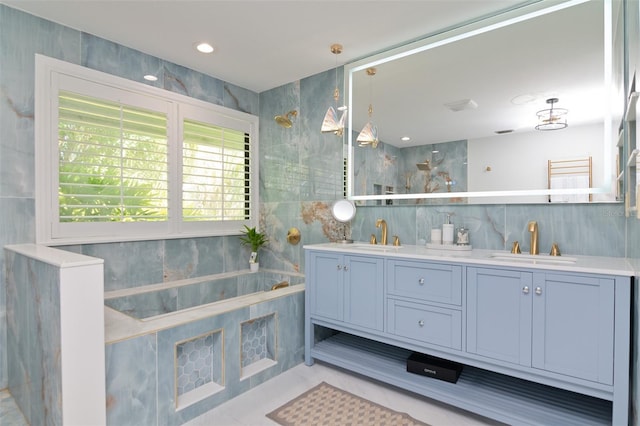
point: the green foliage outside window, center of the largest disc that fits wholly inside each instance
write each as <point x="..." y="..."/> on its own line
<point x="112" y="162"/>
<point x="113" y="165"/>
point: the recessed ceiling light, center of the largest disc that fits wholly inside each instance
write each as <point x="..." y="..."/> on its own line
<point x="204" y="47"/>
<point x="461" y="105"/>
<point x="526" y="98"/>
<point x="435" y="151"/>
<point x="150" y="77"/>
<point x="405" y="138"/>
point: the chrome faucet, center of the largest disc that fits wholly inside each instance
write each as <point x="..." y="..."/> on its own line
<point x="383" y="224"/>
<point x="533" y="228"/>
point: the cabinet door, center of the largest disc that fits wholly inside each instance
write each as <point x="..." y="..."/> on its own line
<point x="325" y="286"/>
<point x="364" y="291"/>
<point x="499" y="314"/>
<point x="573" y="325"/>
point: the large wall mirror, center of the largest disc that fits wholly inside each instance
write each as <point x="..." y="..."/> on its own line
<point x="468" y="99"/>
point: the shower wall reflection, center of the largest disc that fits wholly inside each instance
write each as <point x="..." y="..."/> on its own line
<point x="411" y="170"/>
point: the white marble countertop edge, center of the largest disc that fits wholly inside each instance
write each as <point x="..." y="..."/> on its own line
<point x="583" y="264"/>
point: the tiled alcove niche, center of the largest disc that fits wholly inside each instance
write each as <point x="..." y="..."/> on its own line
<point x="198" y="368"/>
<point x="257" y="345"/>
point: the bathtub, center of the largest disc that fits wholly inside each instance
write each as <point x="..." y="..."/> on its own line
<point x="155" y="300"/>
<point x="178" y="349"/>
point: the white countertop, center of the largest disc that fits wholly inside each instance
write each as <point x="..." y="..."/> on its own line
<point x="567" y="263"/>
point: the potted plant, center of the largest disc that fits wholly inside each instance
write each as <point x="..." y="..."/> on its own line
<point x="255" y="240"/>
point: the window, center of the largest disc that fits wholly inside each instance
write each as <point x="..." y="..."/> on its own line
<point x="118" y="160"/>
<point x="112" y="161"/>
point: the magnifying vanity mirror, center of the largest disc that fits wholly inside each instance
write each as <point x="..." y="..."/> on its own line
<point x="468" y="100"/>
<point x="344" y="211"/>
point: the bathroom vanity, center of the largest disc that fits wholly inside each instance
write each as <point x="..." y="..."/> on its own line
<point x="543" y="340"/>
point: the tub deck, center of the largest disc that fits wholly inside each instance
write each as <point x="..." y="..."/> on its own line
<point x="119" y="326"/>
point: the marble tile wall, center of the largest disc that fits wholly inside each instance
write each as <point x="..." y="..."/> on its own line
<point x="132" y="381"/>
<point x="33" y="338"/>
<point x="300" y="174"/>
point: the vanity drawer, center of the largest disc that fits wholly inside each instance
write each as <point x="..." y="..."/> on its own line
<point x="428" y="324"/>
<point x="431" y="282"/>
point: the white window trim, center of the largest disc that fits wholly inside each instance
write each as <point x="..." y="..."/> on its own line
<point x="47" y="73"/>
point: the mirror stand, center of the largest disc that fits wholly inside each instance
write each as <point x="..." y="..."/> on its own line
<point x="344" y="239"/>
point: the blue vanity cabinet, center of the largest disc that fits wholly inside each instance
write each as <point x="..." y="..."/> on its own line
<point x="556" y="322"/>
<point x="348" y="288"/>
<point x="540" y="345"/>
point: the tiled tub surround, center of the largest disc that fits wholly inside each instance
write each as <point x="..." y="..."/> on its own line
<point x="172" y="367"/>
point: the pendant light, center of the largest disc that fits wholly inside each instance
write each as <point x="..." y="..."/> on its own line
<point x="552" y="118"/>
<point x="331" y="123"/>
<point x="369" y="134"/>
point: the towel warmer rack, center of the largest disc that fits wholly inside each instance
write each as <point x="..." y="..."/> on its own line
<point x="567" y="168"/>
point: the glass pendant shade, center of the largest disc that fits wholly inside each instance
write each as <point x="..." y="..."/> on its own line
<point x="331" y="123"/>
<point x="368" y="135"/>
<point x="552" y="118"/>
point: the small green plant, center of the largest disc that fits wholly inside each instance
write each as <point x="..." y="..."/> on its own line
<point x="254" y="239"/>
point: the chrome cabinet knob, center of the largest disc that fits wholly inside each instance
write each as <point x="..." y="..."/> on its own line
<point x="339" y="267"/>
<point x="538" y="291"/>
<point x="421" y="281"/>
<point x="345" y="267"/>
<point x="525" y="289"/>
<point x="421" y="323"/>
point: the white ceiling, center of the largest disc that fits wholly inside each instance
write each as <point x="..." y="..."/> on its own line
<point x="260" y="44"/>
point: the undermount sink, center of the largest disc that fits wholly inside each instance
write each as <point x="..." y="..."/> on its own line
<point x="533" y="258"/>
<point x="376" y="247"/>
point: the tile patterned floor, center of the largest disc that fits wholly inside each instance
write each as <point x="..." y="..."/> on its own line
<point x="250" y="408"/>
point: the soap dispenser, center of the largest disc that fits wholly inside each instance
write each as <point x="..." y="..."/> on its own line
<point x="447" y="231"/>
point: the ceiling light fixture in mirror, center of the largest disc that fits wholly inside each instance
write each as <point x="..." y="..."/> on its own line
<point x="552" y="118"/>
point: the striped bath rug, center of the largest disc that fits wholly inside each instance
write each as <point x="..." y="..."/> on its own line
<point x="326" y="405"/>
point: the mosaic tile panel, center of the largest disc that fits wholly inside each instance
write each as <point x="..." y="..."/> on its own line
<point x="194" y="363"/>
<point x="257" y="340"/>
